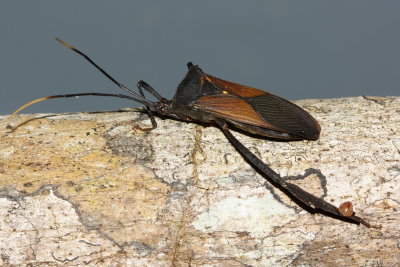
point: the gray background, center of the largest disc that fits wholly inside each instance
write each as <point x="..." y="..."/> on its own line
<point x="295" y="49"/>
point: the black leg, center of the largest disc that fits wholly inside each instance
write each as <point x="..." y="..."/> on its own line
<point x="309" y="200"/>
<point x="149" y="112"/>
<point x="148" y="88"/>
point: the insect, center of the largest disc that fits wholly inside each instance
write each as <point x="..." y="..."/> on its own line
<point x="205" y="98"/>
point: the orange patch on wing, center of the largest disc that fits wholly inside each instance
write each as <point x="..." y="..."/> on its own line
<point x="232" y="108"/>
<point x="234" y="88"/>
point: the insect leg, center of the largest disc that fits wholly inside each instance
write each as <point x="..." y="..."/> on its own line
<point x="140" y="85"/>
<point x="148" y="88"/>
<point x="309" y="200"/>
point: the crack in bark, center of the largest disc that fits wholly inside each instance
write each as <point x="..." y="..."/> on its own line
<point x="181" y="233"/>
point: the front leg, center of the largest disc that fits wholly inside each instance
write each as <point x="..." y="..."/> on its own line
<point x="140" y="85"/>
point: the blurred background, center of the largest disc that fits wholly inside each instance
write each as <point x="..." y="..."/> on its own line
<point x="295" y="49"/>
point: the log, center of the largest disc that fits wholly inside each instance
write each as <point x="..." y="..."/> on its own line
<point x="93" y="189"/>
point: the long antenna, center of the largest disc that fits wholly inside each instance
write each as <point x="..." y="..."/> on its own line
<point x="120" y="85"/>
<point x="137" y="97"/>
<point x="146" y="102"/>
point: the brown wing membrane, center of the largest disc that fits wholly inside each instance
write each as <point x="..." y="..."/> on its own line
<point x="232" y="108"/>
<point x="266" y="110"/>
<point x="234" y="88"/>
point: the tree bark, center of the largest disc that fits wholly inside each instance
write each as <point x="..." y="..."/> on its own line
<point x="93" y="189"/>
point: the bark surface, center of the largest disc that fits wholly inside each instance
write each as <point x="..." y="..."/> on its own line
<point x="91" y="189"/>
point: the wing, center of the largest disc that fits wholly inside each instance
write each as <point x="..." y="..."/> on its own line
<point x="232" y="108"/>
<point x="261" y="110"/>
<point x="234" y="88"/>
